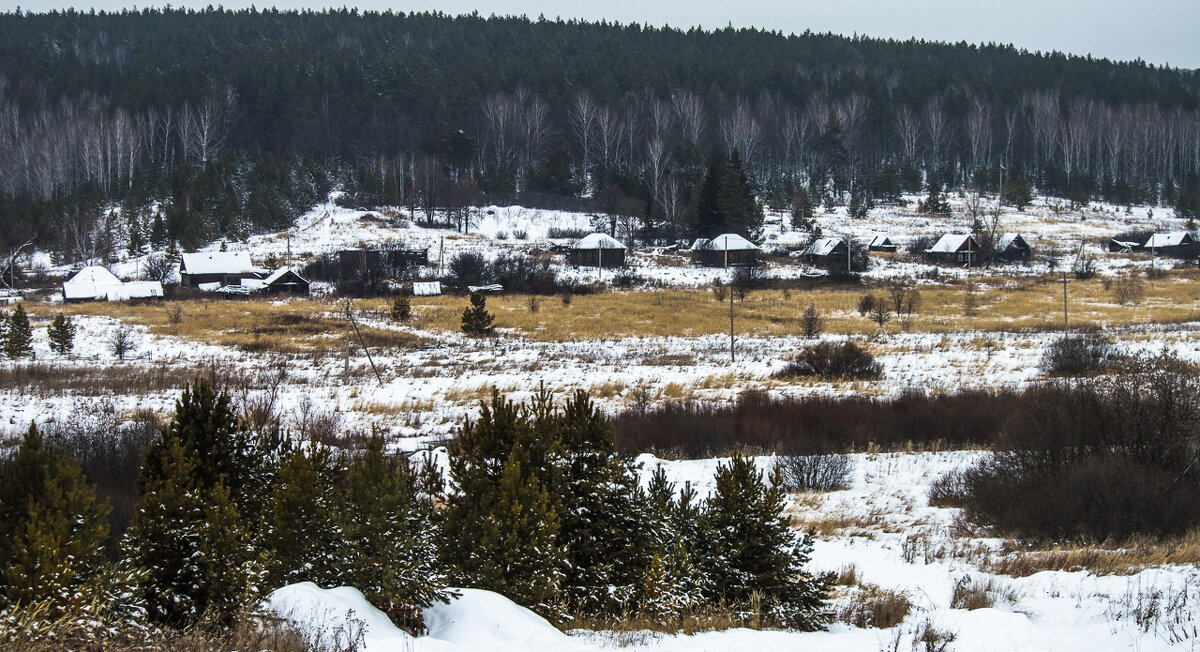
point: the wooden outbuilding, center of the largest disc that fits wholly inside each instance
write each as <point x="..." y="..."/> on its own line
<point x="597" y="250"/>
<point x="826" y="252"/>
<point x="1179" y="244"/>
<point x="883" y="243"/>
<point x="214" y="269"/>
<point x="1012" y="247"/>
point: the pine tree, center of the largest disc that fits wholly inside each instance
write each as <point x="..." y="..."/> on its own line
<point x="752" y="549"/>
<point x="936" y="202"/>
<point x="389" y="551"/>
<point x="18" y="337"/>
<point x="672" y="584"/>
<point x="303" y="533"/>
<point x="499" y="529"/>
<point x="61" y="333"/>
<point x="401" y="308"/>
<point x="476" y="320"/>
<point x="189" y="542"/>
<point x="53" y="532"/>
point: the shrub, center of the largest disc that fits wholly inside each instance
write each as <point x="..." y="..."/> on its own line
<point x="401" y="308"/>
<point x="814" y="472"/>
<point x="919" y="244"/>
<point x="120" y="343"/>
<point x="1085" y="353"/>
<point x="876" y="607"/>
<point x="950" y="490"/>
<point x="811" y="323"/>
<point x="866" y="304"/>
<point x="830" y="361"/>
<point x="1128" y="288"/>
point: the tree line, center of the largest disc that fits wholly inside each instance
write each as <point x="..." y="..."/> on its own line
<point x="537" y="506"/>
<point x="232" y="121"/>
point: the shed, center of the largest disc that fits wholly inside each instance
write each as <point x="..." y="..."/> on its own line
<point x="91" y="283"/>
<point x="427" y="288"/>
<point x="726" y="249"/>
<point x="1178" y="244"/>
<point x="955" y="248"/>
<point x="883" y="243"/>
<point x="222" y="267"/>
<point x="1013" y="246"/>
<point x="597" y="250"/>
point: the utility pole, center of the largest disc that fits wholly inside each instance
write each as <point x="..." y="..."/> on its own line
<point x="731" y="355"/>
<point x="287" y="258"/>
<point x="1066" y="329"/>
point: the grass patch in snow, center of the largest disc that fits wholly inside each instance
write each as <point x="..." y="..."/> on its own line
<point x="1109" y="558"/>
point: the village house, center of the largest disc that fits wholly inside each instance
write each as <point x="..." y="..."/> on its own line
<point x="727" y="249"/>
<point x="1178" y="244"/>
<point x="955" y="248"/>
<point x="597" y="250"/>
<point x="213" y="269"/>
<point x="1012" y="247"/>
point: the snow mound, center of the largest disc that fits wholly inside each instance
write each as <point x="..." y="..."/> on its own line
<point x="489" y="621"/>
<point x="337" y="616"/>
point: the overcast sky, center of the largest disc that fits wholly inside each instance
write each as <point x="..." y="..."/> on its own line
<point x="1157" y="31"/>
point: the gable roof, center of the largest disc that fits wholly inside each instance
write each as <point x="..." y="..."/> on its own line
<point x="730" y="242"/>
<point x="1173" y="239"/>
<point x="217" y="262"/>
<point x="598" y="241"/>
<point x="951" y="243"/>
<point x="882" y="241"/>
<point x="91" y="282"/>
<point x="1009" y="239"/>
<point x="822" y="247"/>
<point x="280" y="273"/>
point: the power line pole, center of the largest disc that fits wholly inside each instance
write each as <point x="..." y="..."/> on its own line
<point x="731" y="356"/>
<point x="1066" y="329"/>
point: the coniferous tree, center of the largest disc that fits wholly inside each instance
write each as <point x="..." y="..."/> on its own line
<point x="388" y="550"/>
<point x="673" y="583"/>
<point x="936" y="202"/>
<point x="61" y="333"/>
<point x="302" y="530"/>
<point x="751" y="548"/>
<point x="499" y="526"/>
<point x="18" y="337"/>
<point x="476" y="320"/>
<point x="53" y="532"/>
<point x="401" y="308"/>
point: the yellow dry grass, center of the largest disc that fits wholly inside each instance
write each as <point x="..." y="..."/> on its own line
<point x="1124" y="558"/>
<point x="298" y="326"/>
<point x="1004" y="304"/>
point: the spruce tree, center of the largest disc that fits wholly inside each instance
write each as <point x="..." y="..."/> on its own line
<point x="936" y="202"/>
<point x="673" y="583"/>
<point x="751" y="548"/>
<point x="61" y="333"/>
<point x="476" y="320"/>
<point x="53" y="532"/>
<point x="18" y="337"/>
<point x="401" y="308"/>
<point x="389" y="551"/>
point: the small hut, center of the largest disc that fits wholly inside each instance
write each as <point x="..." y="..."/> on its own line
<point x="597" y="250"/>
<point x="1013" y="246"/>
<point x="285" y="280"/>
<point x="724" y="250"/>
<point x="957" y="248"/>
<point x="883" y="243"/>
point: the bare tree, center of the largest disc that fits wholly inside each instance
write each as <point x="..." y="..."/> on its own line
<point x="690" y="109"/>
<point x="811" y="322"/>
<point x="908" y="129"/>
<point x="583" y="116"/>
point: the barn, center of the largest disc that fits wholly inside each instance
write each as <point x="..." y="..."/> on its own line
<point x="955" y="248"/>
<point x="725" y="250"/>
<point x="597" y="250"/>
<point x="213" y="269"/>
<point x="91" y="283"/>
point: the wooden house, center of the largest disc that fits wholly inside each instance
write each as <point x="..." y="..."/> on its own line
<point x="826" y="252"/>
<point x="597" y="250"/>
<point x="211" y="270"/>
<point x="955" y="248"/>
<point x="725" y="250"/>
<point x="284" y="280"/>
<point x="883" y="243"/>
<point x="1012" y="247"/>
<point x="1179" y="244"/>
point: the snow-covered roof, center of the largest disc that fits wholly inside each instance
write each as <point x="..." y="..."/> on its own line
<point x="135" y="290"/>
<point x="1006" y="240"/>
<point x="822" y="247"/>
<point x="730" y="242"/>
<point x="950" y="243"/>
<point x="427" y="288"/>
<point x="278" y="274"/>
<point x="598" y="241"/>
<point x="91" y="282"/>
<point x="1168" y="239"/>
<point x="882" y="241"/>
<point x="217" y="262"/>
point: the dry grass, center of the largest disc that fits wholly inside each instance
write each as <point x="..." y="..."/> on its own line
<point x="874" y="606"/>
<point x="1124" y="558"/>
<point x="1005" y="304"/>
<point x="971" y="594"/>
<point x="299" y="326"/>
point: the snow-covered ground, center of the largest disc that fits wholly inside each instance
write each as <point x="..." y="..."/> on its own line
<point x="900" y="544"/>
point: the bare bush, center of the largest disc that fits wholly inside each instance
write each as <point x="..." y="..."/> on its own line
<point x="881" y="312"/>
<point x="120" y="342"/>
<point x="1084" y="353"/>
<point x="174" y="314"/>
<point x="830" y="361"/>
<point x="877" y="607"/>
<point x="1128" y="288"/>
<point x="815" y="472"/>
<point x="866" y="303"/>
<point x="811" y="322"/>
<point x="950" y="490"/>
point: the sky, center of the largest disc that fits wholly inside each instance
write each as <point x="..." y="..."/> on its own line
<point x="1156" y="31"/>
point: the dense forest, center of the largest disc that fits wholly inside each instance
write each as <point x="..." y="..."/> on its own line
<point x="218" y="124"/>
